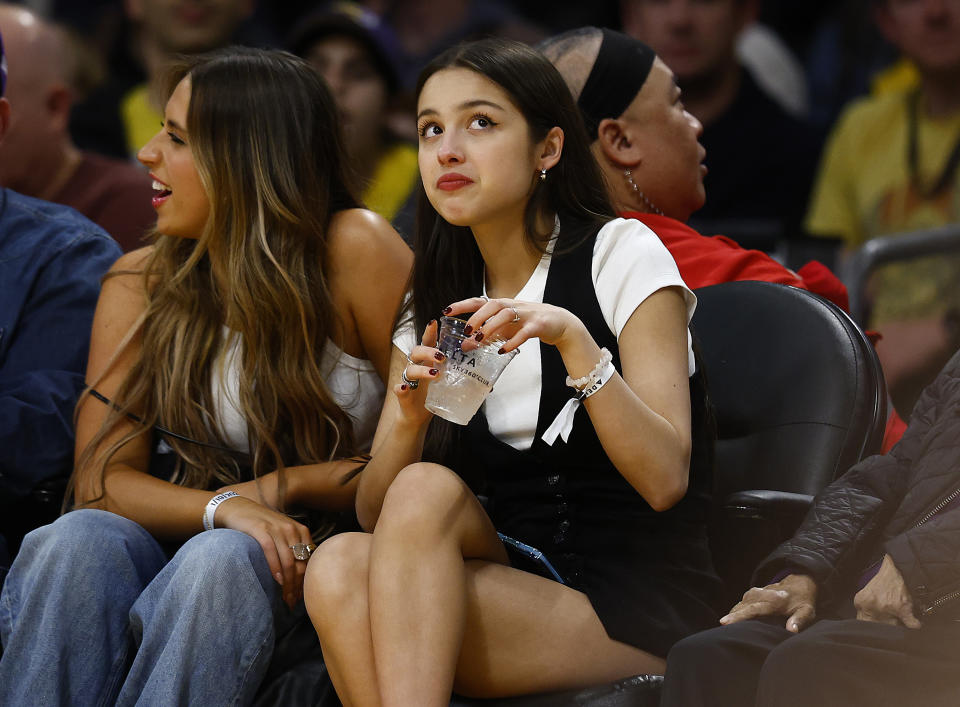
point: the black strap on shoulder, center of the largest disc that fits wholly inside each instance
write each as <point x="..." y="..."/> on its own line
<point x="163" y="430"/>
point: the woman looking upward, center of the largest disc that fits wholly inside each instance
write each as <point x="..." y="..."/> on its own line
<point x="516" y="235"/>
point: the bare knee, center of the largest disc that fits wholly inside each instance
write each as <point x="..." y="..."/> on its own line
<point x="336" y="576"/>
<point x="424" y="496"/>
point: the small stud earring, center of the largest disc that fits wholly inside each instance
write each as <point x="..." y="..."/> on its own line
<point x="543" y="175"/>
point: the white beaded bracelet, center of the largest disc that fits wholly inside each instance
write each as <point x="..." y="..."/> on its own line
<point x="582" y="383"/>
<point x="601" y="374"/>
<point x="212" y="506"/>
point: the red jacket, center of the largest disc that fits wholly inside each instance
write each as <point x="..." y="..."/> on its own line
<point x="705" y="260"/>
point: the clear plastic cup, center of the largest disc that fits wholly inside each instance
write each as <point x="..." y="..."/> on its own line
<point x="466" y="377"/>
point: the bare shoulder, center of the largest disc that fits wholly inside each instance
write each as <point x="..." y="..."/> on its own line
<point x="122" y="295"/>
<point x="362" y="238"/>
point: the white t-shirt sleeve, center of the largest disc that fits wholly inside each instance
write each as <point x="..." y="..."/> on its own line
<point x="630" y="263"/>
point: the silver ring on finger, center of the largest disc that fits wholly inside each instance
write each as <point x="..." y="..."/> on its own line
<point x="302" y="551"/>
<point x="412" y="385"/>
<point x="516" y="315"/>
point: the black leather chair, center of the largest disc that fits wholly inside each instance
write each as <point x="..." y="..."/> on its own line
<point x="798" y="397"/>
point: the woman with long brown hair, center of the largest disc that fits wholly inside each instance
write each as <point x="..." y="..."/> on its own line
<point x="235" y="373"/>
<point x="585" y="449"/>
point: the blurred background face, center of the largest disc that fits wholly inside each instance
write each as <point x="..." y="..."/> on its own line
<point x="34" y="90"/>
<point x="927" y="31"/>
<point x="358" y="88"/>
<point x="189" y="26"/>
<point x="693" y="37"/>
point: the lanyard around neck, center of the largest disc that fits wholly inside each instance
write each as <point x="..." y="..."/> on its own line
<point x="913" y="154"/>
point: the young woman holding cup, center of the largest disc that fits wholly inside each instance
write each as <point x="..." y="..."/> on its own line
<point x="516" y="236"/>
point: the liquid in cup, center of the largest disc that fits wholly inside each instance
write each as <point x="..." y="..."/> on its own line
<point x="466" y="377"/>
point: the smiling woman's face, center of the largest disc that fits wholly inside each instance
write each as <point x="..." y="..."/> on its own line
<point x="477" y="160"/>
<point x="179" y="197"/>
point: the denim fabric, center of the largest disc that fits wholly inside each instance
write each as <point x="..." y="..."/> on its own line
<point x="92" y="613"/>
<point x="51" y="262"/>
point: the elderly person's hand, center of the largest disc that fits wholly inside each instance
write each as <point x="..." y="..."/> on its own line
<point x="886" y="598"/>
<point x="795" y="596"/>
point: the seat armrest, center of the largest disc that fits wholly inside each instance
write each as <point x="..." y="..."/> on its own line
<point x="765" y="504"/>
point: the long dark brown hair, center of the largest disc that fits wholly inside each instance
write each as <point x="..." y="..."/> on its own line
<point x="264" y="135"/>
<point x="448" y="265"/>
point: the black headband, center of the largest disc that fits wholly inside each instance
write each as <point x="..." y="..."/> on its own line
<point x="618" y="74"/>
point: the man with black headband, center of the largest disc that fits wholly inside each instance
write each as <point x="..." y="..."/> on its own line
<point x="51" y="262"/>
<point x="761" y="159"/>
<point x="647" y="146"/>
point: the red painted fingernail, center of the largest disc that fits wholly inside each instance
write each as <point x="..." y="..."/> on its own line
<point x="479" y="336"/>
<point x="501" y="350"/>
<point x="403" y="386"/>
<point x="439" y="356"/>
<point x="447" y="310"/>
<point x="434" y="371"/>
<point x="467" y="329"/>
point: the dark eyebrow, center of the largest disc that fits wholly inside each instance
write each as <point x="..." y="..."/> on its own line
<point x="463" y="106"/>
<point x="170" y="123"/>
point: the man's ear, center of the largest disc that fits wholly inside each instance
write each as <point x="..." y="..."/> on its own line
<point x="58" y="103"/>
<point x="618" y="144"/>
<point x="4" y="117"/>
<point x="552" y="148"/>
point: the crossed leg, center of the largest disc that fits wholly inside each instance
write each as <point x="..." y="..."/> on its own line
<point x="427" y="603"/>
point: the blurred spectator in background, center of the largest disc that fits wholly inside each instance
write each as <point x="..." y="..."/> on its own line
<point x="51" y="261"/>
<point x="38" y="157"/>
<point x="427" y="27"/>
<point x="891" y="167"/>
<point x="124" y="114"/>
<point x="761" y="159"/>
<point x="356" y="55"/>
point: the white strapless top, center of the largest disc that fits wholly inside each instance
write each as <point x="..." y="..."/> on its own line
<point x="353" y="382"/>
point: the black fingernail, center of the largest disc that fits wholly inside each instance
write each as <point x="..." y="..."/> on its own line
<point x="434" y="371"/>
<point x="439" y="356"/>
<point x="403" y="386"/>
<point x="447" y="310"/>
<point x="479" y="336"/>
<point x="501" y="350"/>
<point x="467" y="329"/>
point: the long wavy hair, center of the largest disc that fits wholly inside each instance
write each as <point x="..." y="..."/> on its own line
<point x="265" y="139"/>
<point x="448" y="265"/>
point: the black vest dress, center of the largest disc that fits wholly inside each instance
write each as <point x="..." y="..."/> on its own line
<point x="648" y="575"/>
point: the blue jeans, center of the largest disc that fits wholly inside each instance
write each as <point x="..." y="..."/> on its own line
<point x="93" y="613"/>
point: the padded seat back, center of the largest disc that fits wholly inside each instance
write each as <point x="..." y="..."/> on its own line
<point x="796" y="387"/>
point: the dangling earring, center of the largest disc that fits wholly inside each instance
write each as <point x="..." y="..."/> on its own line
<point x="543" y="175"/>
<point x="650" y="206"/>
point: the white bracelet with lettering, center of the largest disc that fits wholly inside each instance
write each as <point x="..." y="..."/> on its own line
<point x="212" y="506"/>
<point x="597" y="381"/>
<point x="562" y="425"/>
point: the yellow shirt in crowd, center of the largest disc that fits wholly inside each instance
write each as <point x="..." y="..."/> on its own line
<point x="864" y="190"/>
